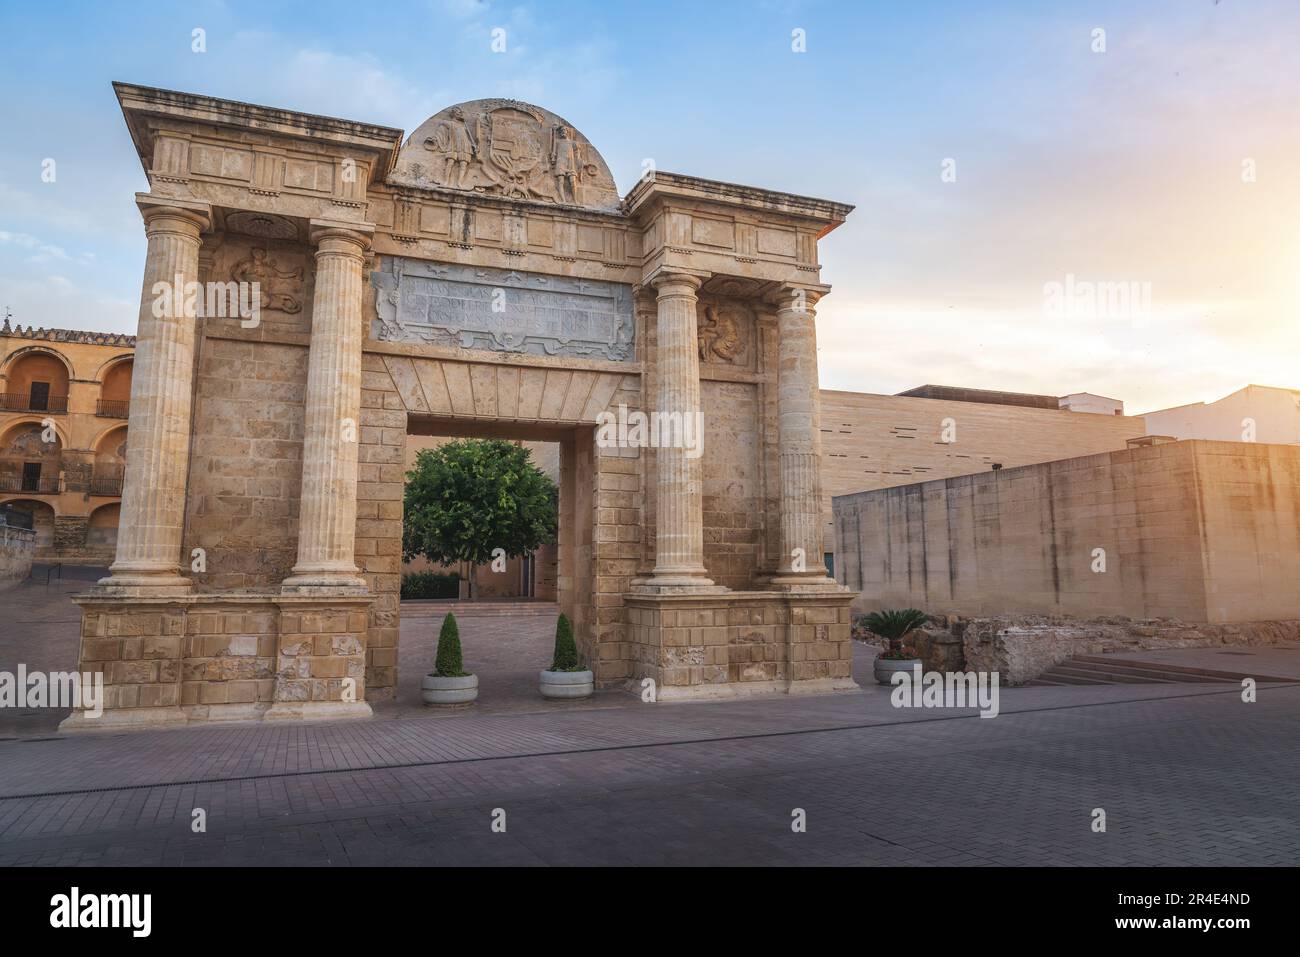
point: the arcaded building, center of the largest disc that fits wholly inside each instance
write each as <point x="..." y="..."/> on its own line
<point x="63" y="436"/>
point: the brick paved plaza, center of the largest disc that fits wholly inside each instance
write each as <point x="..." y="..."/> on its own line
<point x="1187" y="774"/>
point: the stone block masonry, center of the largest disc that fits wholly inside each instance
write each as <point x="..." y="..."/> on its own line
<point x="17" y="546"/>
<point x="711" y="646"/>
<point x="230" y="657"/>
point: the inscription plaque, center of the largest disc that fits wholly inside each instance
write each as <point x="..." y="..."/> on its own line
<point x="502" y="310"/>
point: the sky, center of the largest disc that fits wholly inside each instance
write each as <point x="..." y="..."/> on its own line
<point x="1015" y="166"/>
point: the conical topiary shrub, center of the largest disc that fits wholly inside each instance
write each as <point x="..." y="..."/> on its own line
<point x="449" y="683"/>
<point x="448" y="663"/>
<point x="566" y="678"/>
<point x="566" y="651"/>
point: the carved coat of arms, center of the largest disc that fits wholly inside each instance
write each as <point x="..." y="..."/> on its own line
<point x="510" y="149"/>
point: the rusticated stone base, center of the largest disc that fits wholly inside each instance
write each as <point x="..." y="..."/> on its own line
<point x="741" y="643"/>
<point x="176" y="660"/>
<point x="1021" y="647"/>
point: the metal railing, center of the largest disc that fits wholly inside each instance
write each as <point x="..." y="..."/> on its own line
<point x="25" y="402"/>
<point x="45" y="485"/>
<point x="16" y="518"/>
<point x="113" y="408"/>
<point x="106" y="484"/>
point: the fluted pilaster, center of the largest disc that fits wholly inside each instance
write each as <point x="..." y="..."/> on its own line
<point x="153" y="494"/>
<point x="327" y="509"/>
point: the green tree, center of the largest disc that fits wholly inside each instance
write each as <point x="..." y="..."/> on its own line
<point x="469" y="497"/>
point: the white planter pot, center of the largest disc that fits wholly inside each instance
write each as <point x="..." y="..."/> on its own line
<point x="566" y="684"/>
<point x="886" y="668"/>
<point x="436" y="690"/>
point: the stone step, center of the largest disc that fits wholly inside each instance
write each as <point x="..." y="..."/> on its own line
<point x="1105" y="669"/>
<point x="426" y="608"/>
<point x="1142" y="671"/>
<point x="1106" y="675"/>
<point x="1175" y="672"/>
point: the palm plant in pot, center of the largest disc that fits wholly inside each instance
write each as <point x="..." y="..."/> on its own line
<point x="566" y="678"/>
<point x="449" y="682"/>
<point x="895" y="627"/>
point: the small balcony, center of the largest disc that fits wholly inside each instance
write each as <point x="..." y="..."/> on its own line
<point x="26" y="402"/>
<point x="113" y="408"/>
<point x="109" y="484"/>
<point x="43" y="485"/>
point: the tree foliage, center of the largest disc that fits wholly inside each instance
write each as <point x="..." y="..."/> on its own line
<point x="468" y="497"/>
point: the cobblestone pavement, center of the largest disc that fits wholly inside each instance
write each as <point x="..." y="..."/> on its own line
<point x="1186" y="775"/>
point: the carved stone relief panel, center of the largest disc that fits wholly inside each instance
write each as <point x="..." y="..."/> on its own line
<point x="281" y="270"/>
<point x="725" y="332"/>
<point x="279" y="287"/>
<point x="502" y="310"/>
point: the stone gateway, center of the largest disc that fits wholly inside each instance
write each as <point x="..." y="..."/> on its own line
<point x="482" y="277"/>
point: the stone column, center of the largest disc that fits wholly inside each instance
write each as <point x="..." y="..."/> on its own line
<point x="798" y="410"/>
<point x="679" y="517"/>
<point x="157" y="459"/>
<point x="327" y="512"/>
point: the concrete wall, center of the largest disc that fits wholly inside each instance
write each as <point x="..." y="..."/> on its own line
<point x="877" y="441"/>
<point x="1203" y="531"/>
<point x="17" y="546"/>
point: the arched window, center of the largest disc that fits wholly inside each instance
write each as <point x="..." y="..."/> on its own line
<point x="38" y="382"/>
<point x="115" y="392"/>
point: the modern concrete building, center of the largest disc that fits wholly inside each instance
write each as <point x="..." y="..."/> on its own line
<point x="1255" y="413"/>
<point x="932" y="432"/>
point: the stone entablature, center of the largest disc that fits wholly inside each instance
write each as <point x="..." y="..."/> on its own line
<point x="376" y="259"/>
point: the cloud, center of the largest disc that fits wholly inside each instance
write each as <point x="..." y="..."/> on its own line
<point x="41" y="251"/>
<point x="57" y="302"/>
<point x="356" y="86"/>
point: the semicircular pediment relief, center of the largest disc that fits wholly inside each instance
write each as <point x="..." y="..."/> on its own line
<point x="509" y="149"/>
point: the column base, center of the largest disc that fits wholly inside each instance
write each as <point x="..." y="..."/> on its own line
<point x="125" y="719"/>
<point x="130" y="584"/>
<point x="317" y="711"/>
<point x="324" y="583"/>
<point x="794" y="582"/>
<point x="676" y="585"/>
<point x="748" y="689"/>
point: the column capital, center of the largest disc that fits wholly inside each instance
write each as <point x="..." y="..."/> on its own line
<point x="676" y="281"/>
<point x="340" y="239"/>
<point x="797" y="296"/>
<point x="169" y="213"/>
